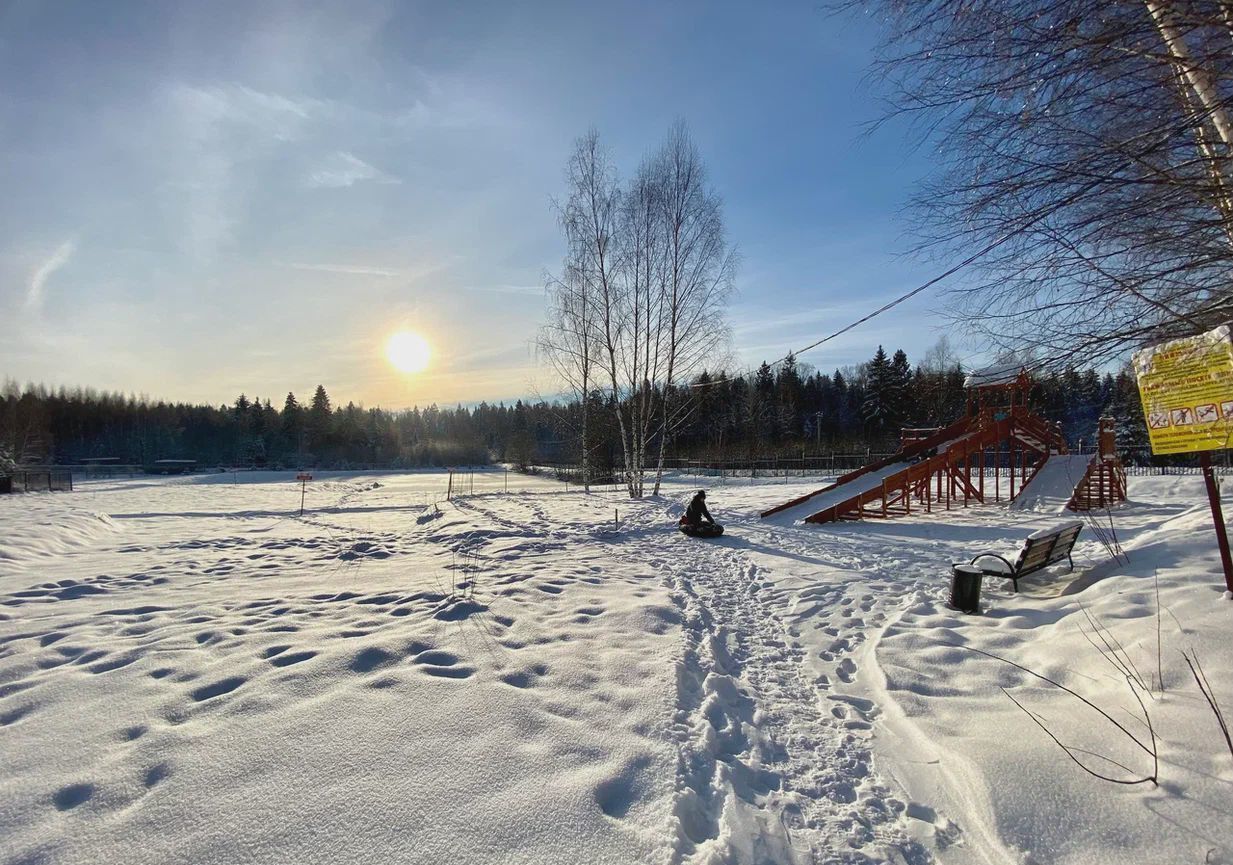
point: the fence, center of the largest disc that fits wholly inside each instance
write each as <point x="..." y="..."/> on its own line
<point x="1137" y="463"/>
<point x="49" y="480"/>
<point x="104" y="470"/>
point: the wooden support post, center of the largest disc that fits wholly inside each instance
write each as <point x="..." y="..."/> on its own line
<point x="997" y="472"/>
<point x="884" y="497"/>
<point x="1213" y="498"/>
<point x="982" y="474"/>
<point x="1011" y="451"/>
<point x="967" y="477"/>
<point x="950" y="481"/>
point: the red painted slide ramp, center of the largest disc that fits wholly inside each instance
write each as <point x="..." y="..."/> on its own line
<point x="944" y="470"/>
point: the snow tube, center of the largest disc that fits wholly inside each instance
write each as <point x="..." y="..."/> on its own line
<point x="704" y="530"/>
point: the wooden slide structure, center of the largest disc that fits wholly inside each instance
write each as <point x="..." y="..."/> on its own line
<point x="947" y="468"/>
<point x="1104" y="483"/>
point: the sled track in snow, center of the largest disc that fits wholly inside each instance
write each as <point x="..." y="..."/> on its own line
<point x="772" y="766"/>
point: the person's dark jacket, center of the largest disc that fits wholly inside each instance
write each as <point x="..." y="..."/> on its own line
<point x="697" y="512"/>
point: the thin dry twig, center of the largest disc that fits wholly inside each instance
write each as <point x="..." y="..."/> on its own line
<point x="1159" y="661"/>
<point x="1196" y="670"/>
<point x="1113" y="651"/>
<point x="1071" y="751"/>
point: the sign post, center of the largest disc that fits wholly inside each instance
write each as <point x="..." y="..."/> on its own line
<point x="1213" y="498"/>
<point x="1186" y="386"/>
<point x="303" y="478"/>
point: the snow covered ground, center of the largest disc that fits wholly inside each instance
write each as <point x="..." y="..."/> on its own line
<point x="190" y="672"/>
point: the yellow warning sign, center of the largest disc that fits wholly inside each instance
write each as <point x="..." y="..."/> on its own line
<point x="1187" y="390"/>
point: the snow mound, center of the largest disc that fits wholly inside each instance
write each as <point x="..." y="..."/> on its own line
<point x="38" y="526"/>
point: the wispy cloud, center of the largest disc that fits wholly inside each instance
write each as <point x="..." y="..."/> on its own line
<point x="535" y="290"/>
<point x="346" y="169"/>
<point x="214" y="128"/>
<point x="43" y="272"/>
<point x="412" y="273"/>
<point x="489" y="358"/>
<point x="351" y="269"/>
<point x="231" y="102"/>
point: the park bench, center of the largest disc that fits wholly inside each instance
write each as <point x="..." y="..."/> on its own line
<point x="1041" y="549"/>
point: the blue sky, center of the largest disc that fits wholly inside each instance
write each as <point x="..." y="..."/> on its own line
<point x="208" y="198"/>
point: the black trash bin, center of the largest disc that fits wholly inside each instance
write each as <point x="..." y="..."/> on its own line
<point x="965" y="588"/>
<point x="6" y="484"/>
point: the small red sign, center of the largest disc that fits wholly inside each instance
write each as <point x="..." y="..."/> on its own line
<point x="304" y="477"/>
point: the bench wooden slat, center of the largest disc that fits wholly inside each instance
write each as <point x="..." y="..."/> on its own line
<point x="1033" y="557"/>
<point x="1040" y="549"/>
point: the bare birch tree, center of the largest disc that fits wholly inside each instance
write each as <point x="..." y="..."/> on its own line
<point x="698" y="267"/>
<point x="590" y="221"/>
<point x="648" y="272"/>
<point x="641" y="304"/>
<point x="568" y="342"/>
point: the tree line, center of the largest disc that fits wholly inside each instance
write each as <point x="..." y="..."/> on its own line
<point x="792" y="410"/>
<point x="38" y="425"/>
<point x="785" y="411"/>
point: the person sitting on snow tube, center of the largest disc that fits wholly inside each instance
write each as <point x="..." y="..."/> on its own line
<point x="697" y="520"/>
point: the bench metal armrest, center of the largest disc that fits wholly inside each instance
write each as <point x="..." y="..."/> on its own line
<point x="1010" y="569"/>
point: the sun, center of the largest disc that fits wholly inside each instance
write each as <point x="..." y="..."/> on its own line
<point x="408" y="351"/>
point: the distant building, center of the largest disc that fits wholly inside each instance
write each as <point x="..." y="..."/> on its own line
<point x="171" y="467"/>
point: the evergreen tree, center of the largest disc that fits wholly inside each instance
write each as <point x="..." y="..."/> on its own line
<point x="319" y="422"/>
<point x="880" y="407"/>
<point x="788" y="393"/>
<point x="291" y="428"/>
<point x="764" y="381"/>
<point x="1126" y="409"/>
<point x="901" y="386"/>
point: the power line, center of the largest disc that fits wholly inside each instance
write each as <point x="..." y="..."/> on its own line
<point x="888" y="306"/>
<point x="980" y="253"/>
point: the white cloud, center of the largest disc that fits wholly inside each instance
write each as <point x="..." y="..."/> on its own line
<point x="214" y="128"/>
<point x="276" y="114"/>
<point x="351" y="269"/>
<point x="346" y="169"/>
<point x="411" y="273"/>
<point x="43" y="272"/>
<point x="529" y="290"/>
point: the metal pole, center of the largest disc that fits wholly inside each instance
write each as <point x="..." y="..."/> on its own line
<point x="1213" y="498"/>
<point x="303" y="487"/>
